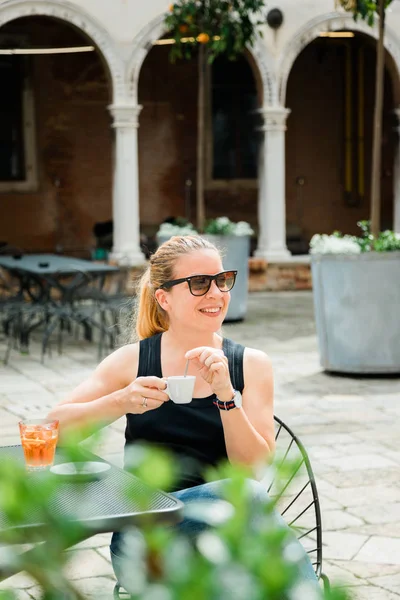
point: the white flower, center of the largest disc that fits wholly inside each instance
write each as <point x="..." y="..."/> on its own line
<point x="332" y="244"/>
<point x="243" y="228"/>
<point x="169" y="230"/>
<point x="224" y="226"/>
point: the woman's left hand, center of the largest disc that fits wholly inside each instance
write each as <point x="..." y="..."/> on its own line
<point x="213" y="367"/>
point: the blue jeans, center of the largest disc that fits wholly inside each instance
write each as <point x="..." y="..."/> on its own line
<point x="208" y="492"/>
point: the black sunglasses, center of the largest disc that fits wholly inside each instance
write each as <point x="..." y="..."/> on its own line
<point x="200" y="284"/>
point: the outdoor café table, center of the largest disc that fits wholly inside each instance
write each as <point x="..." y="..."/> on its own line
<point x="47" y="269"/>
<point x="40" y="275"/>
<point x="102" y="505"/>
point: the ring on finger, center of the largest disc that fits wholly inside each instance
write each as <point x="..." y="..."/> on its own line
<point x="144" y="402"/>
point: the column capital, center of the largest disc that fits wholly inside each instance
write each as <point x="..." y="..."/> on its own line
<point x="125" y="115"/>
<point x="274" y="118"/>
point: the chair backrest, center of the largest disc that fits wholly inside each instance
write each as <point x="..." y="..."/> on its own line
<point x="298" y="501"/>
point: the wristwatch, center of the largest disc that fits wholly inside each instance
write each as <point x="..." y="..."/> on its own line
<point x="236" y="402"/>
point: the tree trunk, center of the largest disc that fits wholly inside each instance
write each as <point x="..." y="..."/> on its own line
<point x="377" y="138"/>
<point x="200" y="211"/>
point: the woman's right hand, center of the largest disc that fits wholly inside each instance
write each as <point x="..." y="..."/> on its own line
<point x="145" y="393"/>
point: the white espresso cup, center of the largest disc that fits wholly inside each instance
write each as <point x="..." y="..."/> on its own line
<point x="180" y="388"/>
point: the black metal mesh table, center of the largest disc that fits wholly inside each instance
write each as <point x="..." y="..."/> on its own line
<point x="111" y="503"/>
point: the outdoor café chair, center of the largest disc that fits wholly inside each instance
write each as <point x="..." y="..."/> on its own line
<point x="298" y="498"/>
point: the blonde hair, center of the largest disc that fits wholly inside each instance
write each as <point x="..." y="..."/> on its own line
<point x="149" y="317"/>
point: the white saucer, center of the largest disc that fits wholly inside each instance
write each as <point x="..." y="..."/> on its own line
<point x="81" y="471"/>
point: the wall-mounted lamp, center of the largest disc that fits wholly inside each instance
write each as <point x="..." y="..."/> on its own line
<point x="336" y="34"/>
<point x="275" y="18"/>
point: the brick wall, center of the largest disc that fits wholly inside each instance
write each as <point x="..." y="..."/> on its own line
<point x="315" y="142"/>
<point x="74" y="146"/>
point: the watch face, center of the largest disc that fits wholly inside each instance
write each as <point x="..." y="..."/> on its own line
<point x="237" y="398"/>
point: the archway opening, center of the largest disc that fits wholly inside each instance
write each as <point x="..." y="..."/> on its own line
<point x="168" y="138"/>
<point x="331" y="92"/>
<point x="56" y="140"/>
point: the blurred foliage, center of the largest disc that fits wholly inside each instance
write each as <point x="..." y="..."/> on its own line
<point x="387" y="241"/>
<point x="366" y="9"/>
<point x="222" y="26"/>
<point x="244" y="553"/>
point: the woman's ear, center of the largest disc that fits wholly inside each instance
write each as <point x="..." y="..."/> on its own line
<point x="162" y="298"/>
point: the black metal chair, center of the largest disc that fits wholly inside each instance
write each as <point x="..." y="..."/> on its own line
<point x="298" y="501"/>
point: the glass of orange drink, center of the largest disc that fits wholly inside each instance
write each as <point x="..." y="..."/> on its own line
<point x="39" y="439"/>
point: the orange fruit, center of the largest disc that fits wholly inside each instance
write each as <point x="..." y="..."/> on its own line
<point x="183" y="28"/>
<point x="171" y="7"/>
<point x="203" y="38"/>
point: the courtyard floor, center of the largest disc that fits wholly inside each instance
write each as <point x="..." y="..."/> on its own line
<point x="349" y="425"/>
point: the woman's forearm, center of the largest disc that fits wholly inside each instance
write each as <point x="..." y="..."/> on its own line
<point x="93" y="414"/>
<point x="243" y="442"/>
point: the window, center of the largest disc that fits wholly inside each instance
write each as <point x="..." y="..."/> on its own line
<point x="12" y="159"/>
<point x="233" y="120"/>
<point x="17" y="150"/>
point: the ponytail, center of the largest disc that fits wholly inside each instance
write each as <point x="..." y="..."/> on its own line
<point x="150" y="317"/>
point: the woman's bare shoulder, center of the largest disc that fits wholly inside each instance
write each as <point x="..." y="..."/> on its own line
<point x="122" y="363"/>
<point x="257" y="363"/>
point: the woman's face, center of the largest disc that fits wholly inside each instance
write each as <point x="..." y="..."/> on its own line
<point x="201" y="312"/>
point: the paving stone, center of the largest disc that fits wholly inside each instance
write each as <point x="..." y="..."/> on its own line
<point x="360" y="462"/>
<point x="334" y="520"/>
<point x="344" y="546"/>
<point x="87" y="563"/>
<point x="96" y="541"/>
<point x="339" y="575"/>
<point x="363" y="478"/>
<point x="388" y="513"/>
<point x="18" y="581"/>
<point x="377" y="549"/>
<point x="328" y="503"/>
<point x="367" y="495"/>
<point x="95" y="588"/>
<point x="366" y="571"/>
<point x="388" y="582"/>
<point x="372" y="593"/>
<point x="381" y="529"/>
<point x="104" y="551"/>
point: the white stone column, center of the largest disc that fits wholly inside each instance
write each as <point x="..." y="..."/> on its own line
<point x="271" y="195"/>
<point x="126" y="247"/>
<point x="396" y="179"/>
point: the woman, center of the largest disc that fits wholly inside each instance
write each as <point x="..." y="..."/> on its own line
<point x="183" y="300"/>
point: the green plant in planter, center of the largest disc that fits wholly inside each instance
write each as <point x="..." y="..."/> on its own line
<point x="337" y="243"/>
<point x="224" y="226"/>
<point x="180" y="226"/>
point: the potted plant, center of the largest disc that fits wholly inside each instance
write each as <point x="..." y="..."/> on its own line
<point x="174" y="226"/>
<point x="356" y="289"/>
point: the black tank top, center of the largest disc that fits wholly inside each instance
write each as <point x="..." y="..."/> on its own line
<point x="192" y="432"/>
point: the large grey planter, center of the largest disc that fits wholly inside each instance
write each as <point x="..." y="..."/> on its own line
<point x="235" y="251"/>
<point x="357" y="311"/>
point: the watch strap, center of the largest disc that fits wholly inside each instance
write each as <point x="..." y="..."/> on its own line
<point x="228" y="405"/>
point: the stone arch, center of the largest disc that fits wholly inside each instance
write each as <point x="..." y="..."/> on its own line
<point x="155" y="29"/>
<point x="334" y="21"/>
<point x="16" y="9"/>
